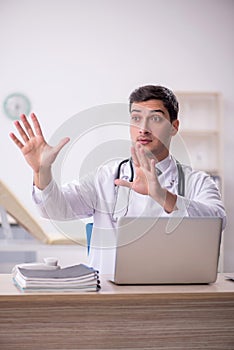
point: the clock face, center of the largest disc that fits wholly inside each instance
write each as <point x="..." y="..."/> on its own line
<point x="15" y="105"/>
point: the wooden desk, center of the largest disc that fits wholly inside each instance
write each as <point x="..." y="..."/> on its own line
<point x="119" y="317"/>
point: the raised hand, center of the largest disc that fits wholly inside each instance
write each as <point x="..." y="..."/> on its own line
<point x="37" y="152"/>
<point x="146" y="180"/>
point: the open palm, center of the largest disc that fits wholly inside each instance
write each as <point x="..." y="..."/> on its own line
<point x="36" y="151"/>
<point x="145" y="181"/>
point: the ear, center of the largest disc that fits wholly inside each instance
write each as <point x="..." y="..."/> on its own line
<point x="175" y="127"/>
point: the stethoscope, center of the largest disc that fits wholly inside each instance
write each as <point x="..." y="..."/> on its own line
<point x="180" y="189"/>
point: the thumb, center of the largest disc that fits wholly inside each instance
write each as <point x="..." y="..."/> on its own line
<point x="120" y="182"/>
<point x="61" y="144"/>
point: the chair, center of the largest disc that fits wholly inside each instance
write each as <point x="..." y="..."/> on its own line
<point x="89" y="229"/>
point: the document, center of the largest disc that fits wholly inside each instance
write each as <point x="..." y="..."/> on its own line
<point x="76" y="278"/>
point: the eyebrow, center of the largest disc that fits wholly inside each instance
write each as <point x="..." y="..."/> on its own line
<point x="151" y="111"/>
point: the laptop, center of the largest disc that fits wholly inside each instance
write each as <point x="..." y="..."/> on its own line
<point x="167" y="250"/>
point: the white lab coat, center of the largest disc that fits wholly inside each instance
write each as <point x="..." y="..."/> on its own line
<point x="95" y="196"/>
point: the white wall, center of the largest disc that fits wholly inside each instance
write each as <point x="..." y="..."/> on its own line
<point x="69" y="55"/>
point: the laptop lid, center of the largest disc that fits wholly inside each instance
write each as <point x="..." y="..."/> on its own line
<point x="167" y="250"/>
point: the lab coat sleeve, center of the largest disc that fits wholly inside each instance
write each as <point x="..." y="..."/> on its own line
<point x="202" y="197"/>
<point x="71" y="201"/>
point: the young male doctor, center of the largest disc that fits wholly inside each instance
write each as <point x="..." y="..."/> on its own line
<point x="149" y="183"/>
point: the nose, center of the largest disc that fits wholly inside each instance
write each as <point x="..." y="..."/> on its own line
<point x="144" y="127"/>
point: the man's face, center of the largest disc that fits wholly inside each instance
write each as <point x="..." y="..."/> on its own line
<point x="151" y="127"/>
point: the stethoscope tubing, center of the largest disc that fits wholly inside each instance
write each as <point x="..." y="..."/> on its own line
<point x="181" y="183"/>
<point x="181" y="177"/>
<point x="131" y="168"/>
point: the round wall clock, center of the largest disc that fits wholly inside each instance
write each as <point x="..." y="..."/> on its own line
<point x="15" y="105"/>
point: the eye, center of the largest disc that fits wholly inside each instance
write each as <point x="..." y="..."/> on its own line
<point x="135" y="118"/>
<point x="156" y="118"/>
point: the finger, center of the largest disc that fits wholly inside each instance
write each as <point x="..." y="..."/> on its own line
<point x="134" y="157"/>
<point x="36" y="125"/>
<point x="16" y="140"/>
<point x="142" y="157"/>
<point x="61" y="144"/>
<point x="27" y="126"/>
<point x="21" y="131"/>
<point x="153" y="168"/>
<point x="152" y="164"/>
<point x="120" y="182"/>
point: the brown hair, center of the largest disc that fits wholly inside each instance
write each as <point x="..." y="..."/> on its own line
<point x="157" y="92"/>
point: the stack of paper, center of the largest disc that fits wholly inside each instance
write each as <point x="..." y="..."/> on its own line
<point x="77" y="278"/>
